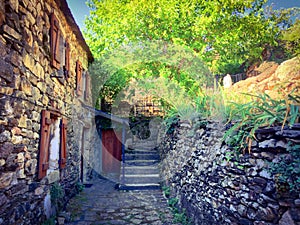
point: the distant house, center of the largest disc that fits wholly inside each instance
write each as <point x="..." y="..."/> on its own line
<point x="45" y="132"/>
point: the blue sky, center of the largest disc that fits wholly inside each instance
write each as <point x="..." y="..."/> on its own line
<point x="80" y="10"/>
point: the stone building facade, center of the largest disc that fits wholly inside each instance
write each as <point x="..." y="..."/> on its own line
<point x="45" y="130"/>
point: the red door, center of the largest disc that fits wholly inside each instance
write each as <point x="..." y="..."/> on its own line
<point x="111" y="151"/>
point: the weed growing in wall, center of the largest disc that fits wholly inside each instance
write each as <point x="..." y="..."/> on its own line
<point x="79" y="187"/>
<point x="263" y="111"/>
<point x="179" y="215"/>
<point x="287" y="170"/>
<point x="57" y="195"/>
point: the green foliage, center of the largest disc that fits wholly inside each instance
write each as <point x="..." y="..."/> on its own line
<point x="172" y="202"/>
<point x="209" y="28"/>
<point x="50" y="221"/>
<point x="166" y="191"/>
<point x="263" y="111"/>
<point x="79" y="187"/>
<point x="148" y="60"/>
<point x="179" y="216"/>
<point x="170" y="124"/>
<point x="292" y="38"/>
<point x="287" y="169"/>
<point x="57" y="194"/>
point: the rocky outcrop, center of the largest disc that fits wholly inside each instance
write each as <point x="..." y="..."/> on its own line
<point x="219" y="186"/>
<point x="273" y="79"/>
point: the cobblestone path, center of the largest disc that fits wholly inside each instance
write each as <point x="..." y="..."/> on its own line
<point x="103" y="204"/>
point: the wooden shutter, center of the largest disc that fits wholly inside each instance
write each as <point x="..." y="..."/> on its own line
<point x="67" y="60"/>
<point x="87" y="92"/>
<point x="63" y="143"/>
<point x="44" y="144"/>
<point x="79" y="71"/>
<point x="55" y="42"/>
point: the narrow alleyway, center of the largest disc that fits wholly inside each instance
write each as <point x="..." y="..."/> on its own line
<point x="103" y="204"/>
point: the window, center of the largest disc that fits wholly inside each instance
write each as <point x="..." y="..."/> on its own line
<point x="67" y="60"/>
<point x="79" y="81"/>
<point x="60" y="50"/>
<point x="55" y="38"/>
<point x="63" y="144"/>
<point x="53" y="143"/>
<point x="87" y="91"/>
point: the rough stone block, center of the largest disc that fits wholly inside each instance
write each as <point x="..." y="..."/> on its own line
<point x="5" y="179"/>
<point x="12" y="33"/>
<point x="22" y="121"/>
<point x="5" y="136"/>
<point x="53" y="176"/>
<point x="28" y="62"/>
<point x="6" y="149"/>
<point x="26" y="87"/>
<point x="286" y="219"/>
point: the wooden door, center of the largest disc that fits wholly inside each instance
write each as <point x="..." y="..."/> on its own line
<point x="111" y="151"/>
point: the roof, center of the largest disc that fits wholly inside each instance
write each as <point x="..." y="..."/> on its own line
<point x="63" y="5"/>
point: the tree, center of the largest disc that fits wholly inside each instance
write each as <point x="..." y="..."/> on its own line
<point x="292" y="38"/>
<point x="222" y="33"/>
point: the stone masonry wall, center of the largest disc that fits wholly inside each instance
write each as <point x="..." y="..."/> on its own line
<point x="217" y="188"/>
<point x="28" y="85"/>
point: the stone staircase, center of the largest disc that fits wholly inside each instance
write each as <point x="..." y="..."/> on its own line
<point x="140" y="169"/>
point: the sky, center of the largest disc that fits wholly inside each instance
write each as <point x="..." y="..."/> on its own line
<point x="80" y="10"/>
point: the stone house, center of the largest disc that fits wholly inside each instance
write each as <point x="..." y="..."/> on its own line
<point x="45" y="128"/>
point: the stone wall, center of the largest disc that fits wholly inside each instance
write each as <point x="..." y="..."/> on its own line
<point x="29" y="83"/>
<point x="216" y="187"/>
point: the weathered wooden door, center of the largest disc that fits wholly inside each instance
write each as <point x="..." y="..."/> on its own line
<point x="111" y="151"/>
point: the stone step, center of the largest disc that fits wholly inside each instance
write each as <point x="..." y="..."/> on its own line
<point x="145" y="146"/>
<point x="141" y="162"/>
<point x="141" y="170"/>
<point x="141" y="157"/>
<point x="140" y="151"/>
<point x="139" y="186"/>
<point x="141" y="179"/>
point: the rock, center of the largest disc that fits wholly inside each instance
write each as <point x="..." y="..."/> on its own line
<point x="265" y="174"/>
<point x="28" y="62"/>
<point x="26" y="87"/>
<point x="289" y="134"/>
<point x="14" y="4"/>
<point x="297" y="202"/>
<point x="60" y="220"/>
<point x="267" y="144"/>
<point x="281" y="144"/>
<point x="242" y="210"/>
<point x="2" y="162"/>
<point x="16" y="139"/>
<point x="11" y="32"/>
<point x="265" y="214"/>
<point x="286" y="219"/>
<point x="6" y="149"/>
<point x="39" y="191"/>
<point x="20" y="174"/>
<point x="22" y="121"/>
<point x="260" y="163"/>
<point x="6" y="179"/>
<point x="53" y="176"/>
<point x="5" y="136"/>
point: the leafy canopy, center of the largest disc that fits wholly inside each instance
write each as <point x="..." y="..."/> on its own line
<point x="223" y="33"/>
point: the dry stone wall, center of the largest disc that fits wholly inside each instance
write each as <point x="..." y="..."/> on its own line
<point x="29" y="84"/>
<point x="216" y="187"/>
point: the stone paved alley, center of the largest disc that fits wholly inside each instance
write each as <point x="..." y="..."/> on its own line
<point x="103" y="204"/>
